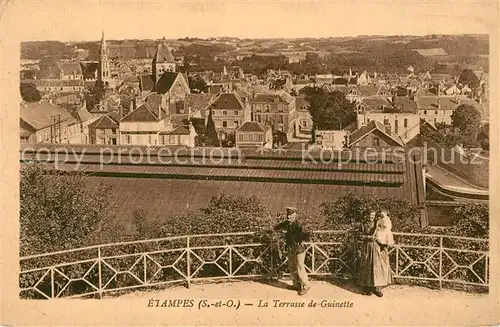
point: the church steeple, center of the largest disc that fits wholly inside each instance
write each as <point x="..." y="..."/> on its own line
<point x="163" y="60"/>
<point x="103" y="60"/>
<point x="103" y="47"/>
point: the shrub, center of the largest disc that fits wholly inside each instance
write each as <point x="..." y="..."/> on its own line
<point x="58" y="211"/>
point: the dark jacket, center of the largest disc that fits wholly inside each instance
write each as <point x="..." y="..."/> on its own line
<point x="295" y="235"/>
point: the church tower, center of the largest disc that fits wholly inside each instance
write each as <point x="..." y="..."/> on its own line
<point x="104" y="74"/>
<point x="163" y="61"/>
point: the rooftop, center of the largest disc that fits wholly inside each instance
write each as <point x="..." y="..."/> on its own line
<point x="40" y="114"/>
<point x="278" y="180"/>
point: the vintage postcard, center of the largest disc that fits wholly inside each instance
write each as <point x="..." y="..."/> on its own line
<point x="272" y="163"/>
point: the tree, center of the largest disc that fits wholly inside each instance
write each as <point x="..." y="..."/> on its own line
<point x="197" y="84"/>
<point x="29" y="93"/>
<point x="329" y="111"/>
<point x="293" y="92"/>
<point x="211" y="133"/>
<point x="469" y="77"/>
<point x="467" y="120"/>
<point x="94" y="96"/>
<point x="484" y="137"/>
<point x="58" y="210"/>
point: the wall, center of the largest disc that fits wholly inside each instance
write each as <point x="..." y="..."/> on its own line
<point x="331" y="139"/>
<point x="436" y="116"/>
<point x="140" y="133"/>
<point x="369" y="141"/>
<point x="413" y="123"/>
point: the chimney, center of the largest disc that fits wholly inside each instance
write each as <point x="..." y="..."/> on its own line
<point x="388" y="129"/>
<point x="159" y="112"/>
<point x="131" y="107"/>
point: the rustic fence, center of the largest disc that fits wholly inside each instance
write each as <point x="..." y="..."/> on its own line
<point x="442" y="261"/>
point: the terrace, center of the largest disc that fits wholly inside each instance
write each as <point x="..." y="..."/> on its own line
<point x="434" y="261"/>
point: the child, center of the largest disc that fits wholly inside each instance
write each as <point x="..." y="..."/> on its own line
<point x="383" y="231"/>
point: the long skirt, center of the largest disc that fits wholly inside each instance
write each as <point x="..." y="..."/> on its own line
<point x="374" y="267"/>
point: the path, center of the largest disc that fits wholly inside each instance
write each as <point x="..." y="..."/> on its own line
<point x="401" y="305"/>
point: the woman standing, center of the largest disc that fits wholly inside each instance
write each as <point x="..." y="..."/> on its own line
<point x="374" y="267"/>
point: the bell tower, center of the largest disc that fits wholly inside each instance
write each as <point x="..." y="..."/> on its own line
<point x="104" y="74"/>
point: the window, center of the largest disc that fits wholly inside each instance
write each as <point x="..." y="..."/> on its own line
<point x="425" y="112"/>
<point x="396" y="127"/>
<point x="281" y="119"/>
<point x="258" y="108"/>
<point x="436" y="112"/>
<point x="267" y="108"/>
<point x="258" y="118"/>
<point x="150" y="139"/>
<point x="224" y="113"/>
<point x="127" y="139"/>
<point x="281" y="108"/>
<point x="224" y="123"/>
<point x="236" y="124"/>
<point x="171" y="139"/>
<point x="102" y="140"/>
<point x="376" y="141"/>
<point x="435" y="121"/>
<point x="405" y="122"/>
<point x="236" y="113"/>
<point x="303" y="123"/>
<point x="113" y="130"/>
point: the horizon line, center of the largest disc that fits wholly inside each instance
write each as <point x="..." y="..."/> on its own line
<point x="207" y="38"/>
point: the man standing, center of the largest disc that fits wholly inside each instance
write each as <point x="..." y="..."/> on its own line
<point x="295" y="249"/>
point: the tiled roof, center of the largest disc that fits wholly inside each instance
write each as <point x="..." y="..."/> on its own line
<point x="199" y="101"/>
<point x="104" y="122"/>
<point x="339" y="88"/>
<point x="163" y="54"/>
<point x="370" y="128"/>
<point x="89" y="69"/>
<point x="376" y="103"/>
<point x="165" y="82"/>
<point x="70" y="68"/>
<point x="227" y="101"/>
<point x="277" y="181"/>
<point x="270" y="98"/>
<point x="405" y="104"/>
<point x="368" y="90"/>
<point x="84" y="115"/>
<point x="251" y="126"/>
<point x="422" y="92"/>
<point x="146" y="82"/>
<point x="434" y="102"/>
<point x="39" y="114"/>
<point x="141" y="114"/>
<point x="181" y="130"/>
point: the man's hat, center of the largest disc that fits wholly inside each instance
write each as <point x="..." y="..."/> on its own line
<point x="290" y="210"/>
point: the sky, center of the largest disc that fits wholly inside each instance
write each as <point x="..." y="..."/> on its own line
<point x="84" y="20"/>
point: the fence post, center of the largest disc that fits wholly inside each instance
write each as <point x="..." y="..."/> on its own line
<point x="441" y="262"/>
<point x="145" y="269"/>
<point x="52" y="283"/>
<point x="100" y="271"/>
<point x="230" y="249"/>
<point x="188" y="261"/>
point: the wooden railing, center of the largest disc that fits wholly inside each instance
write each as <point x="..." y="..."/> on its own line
<point x="97" y="270"/>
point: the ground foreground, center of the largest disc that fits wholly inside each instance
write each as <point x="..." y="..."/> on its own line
<point x="336" y="304"/>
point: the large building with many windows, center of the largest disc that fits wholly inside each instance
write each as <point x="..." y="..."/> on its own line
<point x="229" y="112"/>
<point x="276" y="110"/>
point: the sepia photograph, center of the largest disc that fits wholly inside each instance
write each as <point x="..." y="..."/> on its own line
<point x="256" y="163"/>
